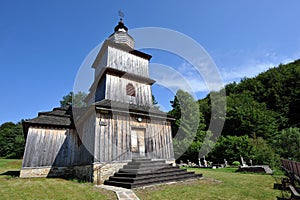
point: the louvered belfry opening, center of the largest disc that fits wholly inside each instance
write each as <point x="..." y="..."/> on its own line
<point x="130" y="90"/>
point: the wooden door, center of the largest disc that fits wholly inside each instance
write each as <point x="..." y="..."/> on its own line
<point x="138" y="141"/>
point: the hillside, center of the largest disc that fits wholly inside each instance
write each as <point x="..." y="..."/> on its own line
<point x="262" y="119"/>
<point x="278" y="88"/>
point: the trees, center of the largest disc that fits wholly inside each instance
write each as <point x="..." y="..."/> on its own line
<point x="12" y="142"/>
<point x="190" y="137"/>
<point x="245" y="116"/>
<point x="256" y="149"/>
<point x="186" y="125"/>
<point x="155" y="102"/>
<point x="265" y="109"/>
<point x="279" y="89"/>
<point x="287" y="142"/>
<point x="231" y="148"/>
<point x="263" y="153"/>
<point x="76" y="100"/>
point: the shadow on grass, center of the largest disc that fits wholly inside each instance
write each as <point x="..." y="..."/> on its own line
<point x="278" y="185"/>
<point x="11" y="173"/>
<point x="16" y="174"/>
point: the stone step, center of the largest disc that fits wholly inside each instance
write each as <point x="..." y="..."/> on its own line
<point x="166" y="179"/>
<point x="146" y="166"/>
<point x="118" y="184"/>
<point x="147" y="177"/>
<point x="152" y="181"/>
<point x="144" y="170"/>
<point x="141" y="159"/>
<point x="157" y="172"/>
<point x="145" y="163"/>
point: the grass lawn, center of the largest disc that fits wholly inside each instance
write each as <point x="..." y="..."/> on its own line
<point x="217" y="184"/>
<point x="13" y="187"/>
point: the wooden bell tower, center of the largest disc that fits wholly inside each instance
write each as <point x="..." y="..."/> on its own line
<point x="121" y="73"/>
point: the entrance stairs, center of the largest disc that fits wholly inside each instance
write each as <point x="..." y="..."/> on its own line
<point x="144" y="171"/>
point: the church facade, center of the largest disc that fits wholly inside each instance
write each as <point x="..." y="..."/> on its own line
<point x="119" y="123"/>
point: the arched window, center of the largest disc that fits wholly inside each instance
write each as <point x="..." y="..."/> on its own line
<point x="130" y="90"/>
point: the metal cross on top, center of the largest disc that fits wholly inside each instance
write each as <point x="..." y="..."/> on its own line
<point x="121" y="14"/>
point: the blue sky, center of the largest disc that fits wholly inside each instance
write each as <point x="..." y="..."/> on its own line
<point x="43" y="43"/>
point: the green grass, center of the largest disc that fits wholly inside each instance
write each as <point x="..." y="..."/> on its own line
<point x="221" y="183"/>
<point x="13" y="187"/>
<point x="10" y="164"/>
<point x="217" y="184"/>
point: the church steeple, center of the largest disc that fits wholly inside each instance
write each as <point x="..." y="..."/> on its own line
<point x="121" y="36"/>
<point x="121" y="26"/>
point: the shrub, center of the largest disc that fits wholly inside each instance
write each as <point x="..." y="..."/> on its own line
<point x="236" y="163"/>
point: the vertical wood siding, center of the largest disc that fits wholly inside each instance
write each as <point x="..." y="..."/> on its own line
<point x="127" y="62"/>
<point x="102" y="63"/>
<point x="116" y="91"/>
<point x="97" y="143"/>
<point x="54" y="147"/>
<point x="114" y="137"/>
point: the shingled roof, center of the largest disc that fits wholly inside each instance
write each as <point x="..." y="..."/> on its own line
<point x="151" y="110"/>
<point x="57" y="118"/>
<point x="62" y="117"/>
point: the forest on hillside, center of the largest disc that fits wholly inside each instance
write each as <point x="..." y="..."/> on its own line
<point x="261" y="123"/>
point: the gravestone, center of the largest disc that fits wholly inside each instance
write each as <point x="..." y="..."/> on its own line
<point x="243" y="163"/>
<point x="225" y="163"/>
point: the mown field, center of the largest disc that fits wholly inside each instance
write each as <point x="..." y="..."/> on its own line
<point x="217" y="184"/>
<point x="12" y="187"/>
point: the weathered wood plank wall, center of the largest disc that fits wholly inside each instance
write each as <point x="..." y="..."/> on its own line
<point x="87" y="133"/>
<point x="114" y="137"/>
<point x="54" y="147"/>
<point x="116" y="91"/>
<point x="124" y="61"/>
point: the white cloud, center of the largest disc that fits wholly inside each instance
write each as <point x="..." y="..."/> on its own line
<point x="252" y="67"/>
<point x="184" y="77"/>
<point x="188" y="78"/>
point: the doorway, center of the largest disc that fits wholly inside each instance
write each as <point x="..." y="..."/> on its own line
<point x="138" y="142"/>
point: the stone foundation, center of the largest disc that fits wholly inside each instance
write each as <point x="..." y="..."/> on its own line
<point x="102" y="171"/>
<point x="34" y="172"/>
<point x="96" y="173"/>
<point x="83" y="172"/>
<point x="171" y="162"/>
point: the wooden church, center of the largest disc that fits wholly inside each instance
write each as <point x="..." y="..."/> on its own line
<point x="119" y="124"/>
